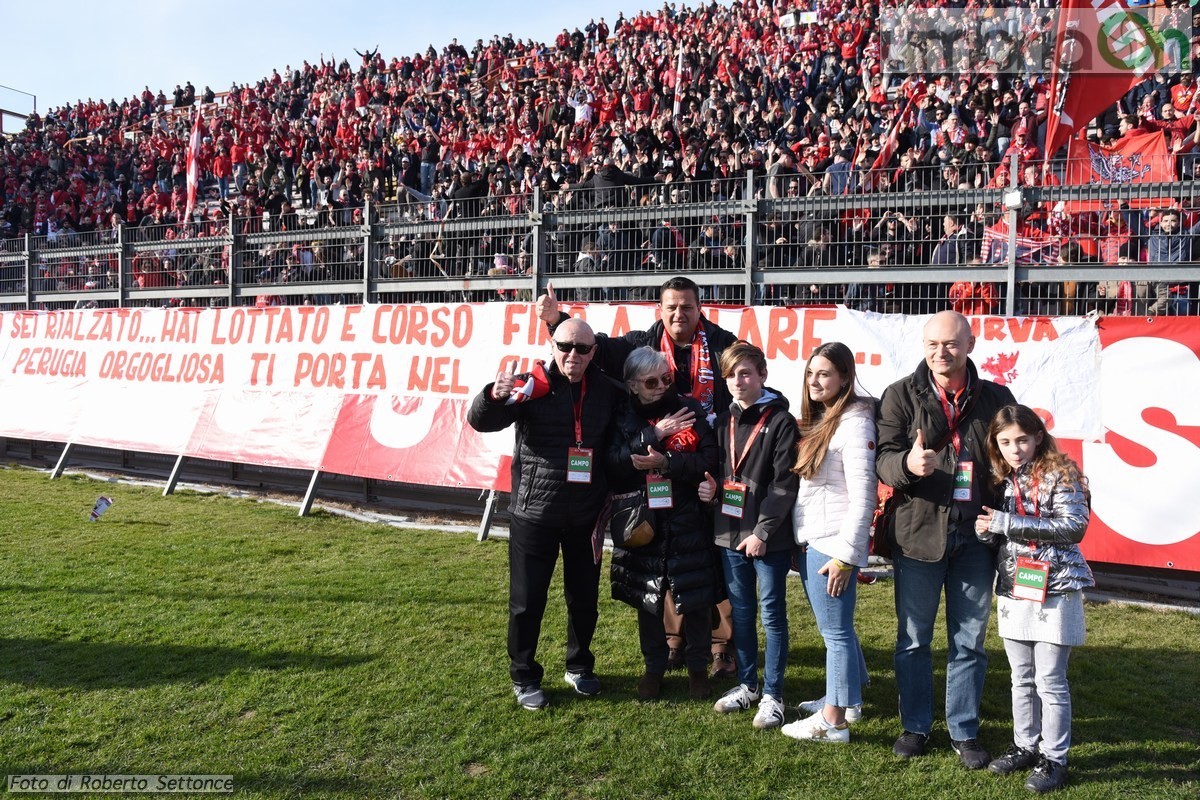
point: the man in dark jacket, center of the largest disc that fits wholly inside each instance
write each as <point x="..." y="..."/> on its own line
<point x="565" y="418"/>
<point x="609" y="185"/>
<point x="932" y="451"/>
<point x="693" y="347"/>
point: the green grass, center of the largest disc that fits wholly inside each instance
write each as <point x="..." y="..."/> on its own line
<point x="323" y="657"/>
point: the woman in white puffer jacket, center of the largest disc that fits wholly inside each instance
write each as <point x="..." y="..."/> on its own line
<point x="832" y="516"/>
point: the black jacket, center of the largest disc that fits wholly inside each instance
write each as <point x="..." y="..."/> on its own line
<point x="771" y="485"/>
<point x="545" y="431"/>
<point x="682" y="556"/>
<point x="612" y="352"/>
<point x="924" y="514"/>
<point x="609" y="184"/>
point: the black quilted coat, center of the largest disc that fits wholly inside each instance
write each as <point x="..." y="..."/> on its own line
<point x="682" y="556"/>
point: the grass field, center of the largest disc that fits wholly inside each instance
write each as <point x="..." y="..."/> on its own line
<point x="321" y="657"/>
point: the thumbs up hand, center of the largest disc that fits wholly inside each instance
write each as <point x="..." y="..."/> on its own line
<point x="547" y="306"/>
<point x="503" y="386"/>
<point x="707" y="489"/>
<point x="920" y="460"/>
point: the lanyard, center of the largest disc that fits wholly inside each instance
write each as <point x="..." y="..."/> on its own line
<point x="578" y="408"/>
<point x="950" y="409"/>
<point x="737" y="462"/>
<point x="1020" y="500"/>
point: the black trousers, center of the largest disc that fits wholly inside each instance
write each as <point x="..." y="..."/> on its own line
<point x="697" y="633"/>
<point x="532" y="553"/>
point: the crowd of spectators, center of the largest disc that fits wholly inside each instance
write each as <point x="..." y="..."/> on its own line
<point x="660" y="108"/>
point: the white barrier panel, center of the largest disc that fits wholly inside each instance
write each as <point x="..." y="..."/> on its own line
<point x="381" y="391"/>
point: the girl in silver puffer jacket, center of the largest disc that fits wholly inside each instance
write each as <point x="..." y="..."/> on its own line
<point x="1040" y="577"/>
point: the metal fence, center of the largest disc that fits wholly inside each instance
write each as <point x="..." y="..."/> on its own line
<point x="906" y="246"/>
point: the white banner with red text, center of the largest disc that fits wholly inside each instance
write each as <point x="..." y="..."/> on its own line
<point x="381" y="391"/>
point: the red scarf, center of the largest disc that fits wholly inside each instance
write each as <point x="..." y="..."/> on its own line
<point x="703" y="380"/>
<point x="529" y="386"/>
<point x="685" y="441"/>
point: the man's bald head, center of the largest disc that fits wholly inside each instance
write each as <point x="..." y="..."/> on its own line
<point x="948" y="342"/>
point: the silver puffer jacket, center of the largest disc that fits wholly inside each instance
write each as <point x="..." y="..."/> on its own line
<point x="1052" y="536"/>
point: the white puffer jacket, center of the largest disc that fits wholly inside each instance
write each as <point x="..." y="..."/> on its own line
<point x="834" y="508"/>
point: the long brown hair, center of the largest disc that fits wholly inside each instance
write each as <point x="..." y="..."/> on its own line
<point x="818" y="423"/>
<point x="1047" y="458"/>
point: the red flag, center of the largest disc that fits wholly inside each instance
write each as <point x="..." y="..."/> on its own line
<point x="1083" y="79"/>
<point x="891" y="144"/>
<point x="1135" y="158"/>
<point x="193" y="166"/>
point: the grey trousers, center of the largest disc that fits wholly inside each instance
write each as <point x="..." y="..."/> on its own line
<point x="1041" y="697"/>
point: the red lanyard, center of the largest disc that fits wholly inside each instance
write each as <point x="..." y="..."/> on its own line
<point x="1020" y="500"/>
<point x="951" y="411"/>
<point x="737" y="462"/>
<point x="579" y="413"/>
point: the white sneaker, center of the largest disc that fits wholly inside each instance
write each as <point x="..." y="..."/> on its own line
<point x="816" y="729"/>
<point x="853" y="713"/>
<point x="739" y="698"/>
<point x="770" y="713"/>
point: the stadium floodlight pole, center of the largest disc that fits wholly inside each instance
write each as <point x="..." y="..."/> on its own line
<point x="27" y="94"/>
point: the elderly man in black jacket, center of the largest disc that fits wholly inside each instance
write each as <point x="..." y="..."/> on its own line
<point x="564" y="417"/>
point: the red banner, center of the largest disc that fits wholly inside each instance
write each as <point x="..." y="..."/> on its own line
<point x="1144" y="472"/>
<point x="382" y="391"/>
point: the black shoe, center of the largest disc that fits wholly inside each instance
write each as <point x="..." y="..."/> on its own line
<point x="911" y="745"/>
<point x="674" y="659"/>
<point x="584" y="683"/>
<point x="1047" y="776"/>
<point x="970" y="753"/>
<point x="1014" y="759"/>
<point x="530" y="696"/>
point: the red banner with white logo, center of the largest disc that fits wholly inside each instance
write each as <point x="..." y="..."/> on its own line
<point x="1133" y="159"/>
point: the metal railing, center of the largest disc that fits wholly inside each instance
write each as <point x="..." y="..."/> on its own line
<point x="750" y="239"/>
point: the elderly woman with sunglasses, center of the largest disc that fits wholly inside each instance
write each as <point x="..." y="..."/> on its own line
<point x="663" y="442"/>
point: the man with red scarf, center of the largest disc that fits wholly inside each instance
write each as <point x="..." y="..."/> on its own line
<point x="693" y="347"/>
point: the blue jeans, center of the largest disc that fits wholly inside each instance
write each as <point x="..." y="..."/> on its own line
<point x="845" y="667"/>
<point x="770" y="574"/>
<point x="427" y="176"/>
<point x="966" y="572"/>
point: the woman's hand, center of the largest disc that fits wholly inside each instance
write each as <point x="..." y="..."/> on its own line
<point x="707" y="490"/>
<point x="983" y="522"/>
<point x="654" y="460"/>
<point x="671" y="424"/>
<point x="837" y="579"/>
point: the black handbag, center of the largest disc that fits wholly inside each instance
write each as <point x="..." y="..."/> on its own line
<point x="629" y="526"/>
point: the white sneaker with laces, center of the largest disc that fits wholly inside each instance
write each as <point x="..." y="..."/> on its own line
<point x="853" y="713"/>
<point x="739" y="698"/>
<point x="816" y="729"/>
<point x="770" y="713"/>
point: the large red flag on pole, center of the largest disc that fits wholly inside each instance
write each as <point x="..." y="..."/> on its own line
<point x="1103" y="50"/>
<point x="193" y="166"/>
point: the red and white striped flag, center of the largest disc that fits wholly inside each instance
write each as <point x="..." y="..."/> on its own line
<point x="193" y="166"/>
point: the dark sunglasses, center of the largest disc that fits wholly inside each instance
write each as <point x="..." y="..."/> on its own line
<point x="566" y="347"/>
<point x="653" y="381"/>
